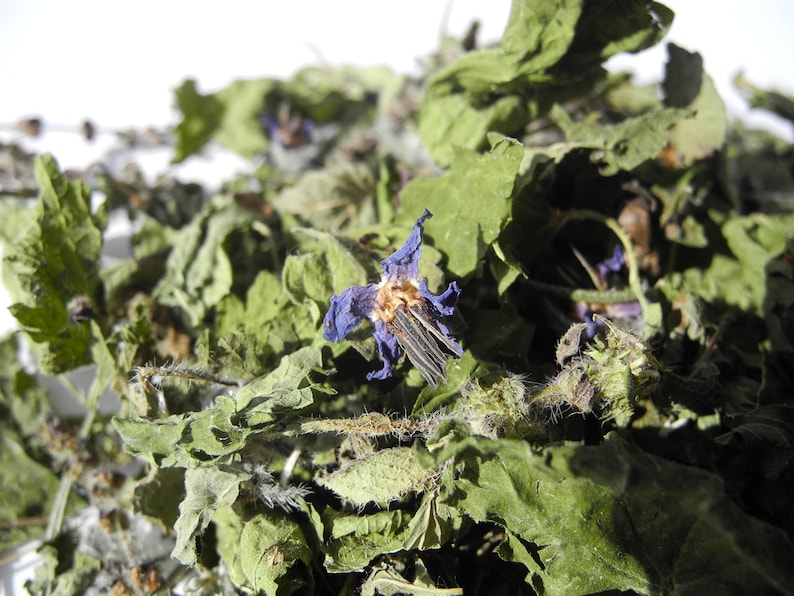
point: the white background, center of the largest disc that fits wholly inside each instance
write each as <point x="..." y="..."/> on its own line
<point x="118" y="62"/>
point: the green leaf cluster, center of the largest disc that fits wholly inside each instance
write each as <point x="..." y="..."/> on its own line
<point x="620" y="419"/>
<point x="53" y="265"/>
<point x="550" y="52"/>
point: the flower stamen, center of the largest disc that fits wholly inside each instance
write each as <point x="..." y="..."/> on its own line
<point x="419" y="339"/>
<point x="393" y="295"/>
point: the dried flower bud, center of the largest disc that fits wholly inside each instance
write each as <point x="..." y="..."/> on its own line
<point x="30" y="127"/>
<point x="88" y="129"/>
<point x="80" y="310"/>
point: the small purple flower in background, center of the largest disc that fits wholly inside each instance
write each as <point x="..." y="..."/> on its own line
<point x="403" y="312"/>
<point x="618" y="310"/>
<point x="613" y="264"/>
<point x="290" y="130"/>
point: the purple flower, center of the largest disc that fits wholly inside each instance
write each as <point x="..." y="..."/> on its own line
<point x="289" y="130"/>
<point x="403" y="312"/>
<point x="613" y="264"/>
<point x="619" y="310"/>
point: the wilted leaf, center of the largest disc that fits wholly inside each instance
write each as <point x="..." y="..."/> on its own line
<point x="687" y="86"/>
<point x="625" y="145"/>
<point x="51" y="577"/>
<point x="352" y="539"/>
<point x="159" y="496"/>
<point x="470" y="204"/>
<point x="450" y="123"/>
<point x="608" y="518"/>
<point x="774" y="101"/>
<point x="229" y="117"/>
<point x="206" y="489"/>
<point x="740" y="278"/>
<point x="384" y="476"/>
<point x="548" y="50"/>
<point x="199" y="271"/>
<point x="287" y="388"/>
<point x="274" y="555"/>
<point x="330" y="268"/>
<point x="28" y="489"/>
<point x="201" y="117"/>
<point x="55" y="262"/>
<point x="152" y="439"/>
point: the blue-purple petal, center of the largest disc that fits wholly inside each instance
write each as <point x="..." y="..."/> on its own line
<point x="619" y="310"/>
<point x="348" y="310"/>
<point x="357" y="303"/>
<point x="626" y="310"/>
<point x="444" y="304"/>
<point x="404" y="263"/>
<point x="614" y="264"/>
<point x="388" y="349"/>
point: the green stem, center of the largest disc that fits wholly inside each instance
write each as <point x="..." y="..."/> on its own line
<point x="58" y="512"/>
<point x="59" y="503"/>
<point x="580" y="295"/>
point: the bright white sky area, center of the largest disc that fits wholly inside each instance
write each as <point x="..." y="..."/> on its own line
<point x="117" y="63"/>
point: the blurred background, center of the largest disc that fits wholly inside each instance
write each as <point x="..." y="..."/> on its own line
<point x="117" y="64"/>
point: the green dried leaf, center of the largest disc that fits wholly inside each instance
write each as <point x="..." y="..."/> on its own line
<point x="333" y="265"/>
<point x="470" y="204"/>
<point x="381" y="477"/>
<point x="622" y="146"/>
<point x="740" y="278"/>
<point x="22" y="400"/>
<point x="634" y="100"/>
<point x="105" y="366"/>
<point x="774" y="101"/>
<point x="326" y="198"/>
<point x="433" y="525"/>
<point x="614" y="518"/>
<point x="28" y="489"/>
<point x="56" y="262"/>
<point x="353" y="541"/>
<point x="206" y="489"/>
<point x="199" y="271"/>
<point x="229" y="117"/>
<point x="201" y="117"/>
<point x="615" y="26"/>
<point x="239" y="129"/>
<point x="52" y="576"/>
<point x="159" y="496"/>
<point x="385" y="580"/>
<point x="274" y="555"/>
<point x="186" y="440"/>
<point x="549" y="51"/>
<point x="451" y="123"/>
<point x="251" y="335"/>
<point x="265" y="300"/>
<point x="687" y="86"/>
<point x="288" y="388"/>
<point x="215" y="432"/>
<point x="153" y="440"/>
<point x="224" y="429"/>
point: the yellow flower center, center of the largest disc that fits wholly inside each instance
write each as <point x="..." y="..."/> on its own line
<point x="393" y="294"/>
